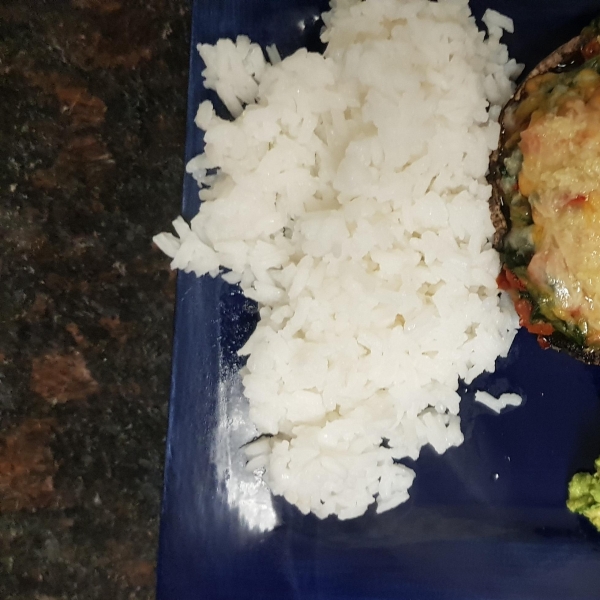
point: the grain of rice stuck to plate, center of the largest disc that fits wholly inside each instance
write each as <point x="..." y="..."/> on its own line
<point x="348" y="198"/>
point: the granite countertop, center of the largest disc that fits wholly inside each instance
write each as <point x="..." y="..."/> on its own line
<point x="93" y="99"/>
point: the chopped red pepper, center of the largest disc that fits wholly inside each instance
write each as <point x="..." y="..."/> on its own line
<point x="540" y="328"/>
<point x="543" y="342"/>
<point x="592" y="48"/>
<point x="514" y="281"/>
<point x="502" y="281"/>
<point x="507" y="280"/>
<point x="524" y="309"/>
<point x="578" y="201"/>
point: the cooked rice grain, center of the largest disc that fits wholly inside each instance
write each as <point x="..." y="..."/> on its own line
<point x="348" y="198"/>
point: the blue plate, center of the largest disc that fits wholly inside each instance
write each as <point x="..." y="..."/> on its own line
<point x="486" y="520"/>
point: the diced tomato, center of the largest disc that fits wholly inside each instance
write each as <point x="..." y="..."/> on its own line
<point x="591" y="49"/>
<point x="540" y="328"/>
<point x="576" y="313"/>
<point x="530" y="145"/>
<point x="514" y="281"/>
<point x="543" y="342"/>
<point x="502" y="281"/>
<point x="578" y="201"/>
<point x="523" y="308"/>
<point x="507" y="280"/>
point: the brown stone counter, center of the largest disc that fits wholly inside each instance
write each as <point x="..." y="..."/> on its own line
<point x="92" y="125"/>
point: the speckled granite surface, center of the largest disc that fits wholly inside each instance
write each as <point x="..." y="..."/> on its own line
<point x="92" y="105"/>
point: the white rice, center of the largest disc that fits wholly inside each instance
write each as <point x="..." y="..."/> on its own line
<point x="350" y="201"/>
<point x="498" y="404"/>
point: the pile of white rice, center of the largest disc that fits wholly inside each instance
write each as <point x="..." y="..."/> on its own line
<point x="348" y="198"/>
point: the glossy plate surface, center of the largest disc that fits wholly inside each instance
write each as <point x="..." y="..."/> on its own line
<point x="485" y="521"/>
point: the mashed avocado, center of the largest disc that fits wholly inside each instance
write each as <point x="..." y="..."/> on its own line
<point x="584" y="495"/>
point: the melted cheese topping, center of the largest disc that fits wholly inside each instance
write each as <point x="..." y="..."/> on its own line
<point x="561" y="177"/>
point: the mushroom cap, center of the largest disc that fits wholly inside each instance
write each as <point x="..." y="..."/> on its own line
<point x="498" y="209"/>
<point x="565" y="55"/>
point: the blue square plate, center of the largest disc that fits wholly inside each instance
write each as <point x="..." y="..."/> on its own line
<point x="486" y="520"/>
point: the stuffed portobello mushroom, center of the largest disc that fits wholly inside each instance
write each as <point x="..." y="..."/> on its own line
<point x="545" y="202"/>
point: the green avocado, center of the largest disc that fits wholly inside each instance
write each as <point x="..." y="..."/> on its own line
<point x="584" y="495"/>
